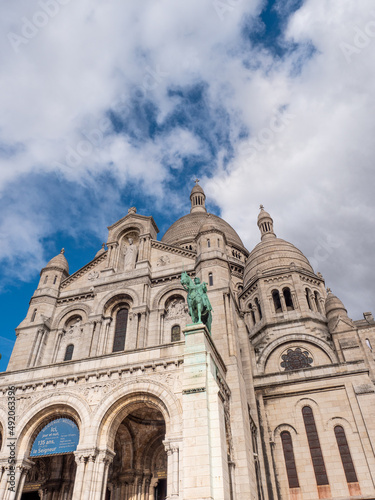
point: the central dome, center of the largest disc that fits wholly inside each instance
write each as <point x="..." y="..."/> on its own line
<point x="185" y="230"/>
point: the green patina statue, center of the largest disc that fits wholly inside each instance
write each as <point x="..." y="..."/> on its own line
<point x="198" y="301"/>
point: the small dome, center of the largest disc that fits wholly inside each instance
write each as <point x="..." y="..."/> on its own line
<point x="101" y="251"/>
<point x="197" y="189"/>
<point x="272" y="254"/>
<point x="208" y="226"/>
<point x="59" y="262"/>
<point x="334" y="306"/>
<point x="263" y="214"/>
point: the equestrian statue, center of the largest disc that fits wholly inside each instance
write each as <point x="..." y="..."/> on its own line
<point x="198" y="301"/>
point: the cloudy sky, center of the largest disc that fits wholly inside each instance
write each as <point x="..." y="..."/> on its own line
<point x="105" y="105"/>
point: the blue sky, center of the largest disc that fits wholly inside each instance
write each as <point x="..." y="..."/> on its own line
<point x="109" y="105"/>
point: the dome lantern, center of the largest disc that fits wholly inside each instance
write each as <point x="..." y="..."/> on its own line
<point x="197" y="198"/>
<point x="265" y="224"/>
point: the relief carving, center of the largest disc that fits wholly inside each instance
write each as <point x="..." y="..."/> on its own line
<point x="177" y="308"/>
<point x="96" y="392"/>
<point x="163" y="260"/>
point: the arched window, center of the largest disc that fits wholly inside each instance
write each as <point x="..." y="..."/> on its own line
<point x="346" y="458"/>
<point x="218" y="242"/>
<point x="252" y="313"/>
<point x="308" y="299"/>
<point x="33" y="315"/>
<point x="210" y="279"/>
<point x="317" y="301"/>
<point x="290" y="462"/>
<point x="276" y="301"/>
<point x="120" y="330"/>
<point x="69" y="352"/>
<point x="54" y="280"/>
<point x="208" y="243"/>
<point x="368" y="343"/>
<point x="176" y="333"/>
<point x="45" y="279"/>
<point x="259" y="308"/>
<point x="288" y="299"/>
<point x="314" y="445"/>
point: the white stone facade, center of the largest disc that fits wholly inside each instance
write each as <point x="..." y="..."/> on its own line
<point x="278" y="403"/>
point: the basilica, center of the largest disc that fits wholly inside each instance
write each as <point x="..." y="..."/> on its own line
<point x="113" y="392"/>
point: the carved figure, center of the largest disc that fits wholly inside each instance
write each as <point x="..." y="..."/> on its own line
<point x="198" y="302"/>
<point x="130" y="255"/>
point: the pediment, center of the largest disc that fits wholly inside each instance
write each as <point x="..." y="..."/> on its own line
<point x="343" y="324"/>
<point x="168" y="257"/>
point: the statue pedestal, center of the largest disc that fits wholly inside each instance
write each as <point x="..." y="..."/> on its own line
<point x="205" y="467"/>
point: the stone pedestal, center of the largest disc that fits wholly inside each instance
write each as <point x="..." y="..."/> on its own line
<point x="205" y="456"/>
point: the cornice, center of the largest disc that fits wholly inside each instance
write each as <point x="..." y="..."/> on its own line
<point x="173" y="249"/>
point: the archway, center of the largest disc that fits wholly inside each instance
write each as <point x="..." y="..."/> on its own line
<point x="139" y="469"/>
<point x="53" y="472"/>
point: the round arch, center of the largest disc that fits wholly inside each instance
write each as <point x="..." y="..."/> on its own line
<point x="310" y="339"/>
<point x="115" y="408"/>
<point x="122" y="230"/>
<point x="47" y="409"/>
<point x="283" y="427"/>
<point x="71" y="310"/>
<point x="163" y="295"/>
<point x="348" y="426"/>
<point x="121" y="294"/>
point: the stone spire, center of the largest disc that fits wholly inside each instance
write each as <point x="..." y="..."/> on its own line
<point x="197" y="198"/>
<point x="265" y="224"/>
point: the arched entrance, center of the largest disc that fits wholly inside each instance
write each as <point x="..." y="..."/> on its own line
<point x="139" y="469"/>
<point x="54" y="468"/>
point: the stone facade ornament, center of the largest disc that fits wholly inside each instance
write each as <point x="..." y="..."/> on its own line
<point x="130" y="254"/>
<point x="94" y="275"/>
<point x="163" y="260"/>
<point x="296" y="359"/>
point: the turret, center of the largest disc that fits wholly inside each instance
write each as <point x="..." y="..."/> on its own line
<point x="198" y="199"/>
<point x="265" y="224"/>
<point x="334" y="309"/>
<point x="55" y="271"/>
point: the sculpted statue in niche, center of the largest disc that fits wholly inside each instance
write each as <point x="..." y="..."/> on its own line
<point x="130" y="255"/>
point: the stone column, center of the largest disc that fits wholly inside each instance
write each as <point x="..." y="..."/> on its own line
<point x="3" y="481"/>
<point x="87" y="487"/>
<point x="312" y="301"/>
<point x="21" y="480"/>
<point x="161" y="326"/>
<point x="80" y="473"/>
<point x="104" y="335"/>
<point x="141" y="329"/>
<point x="60" y="333"/>
<point x="282" y="300"/>
<point x="141" y="249"/>
<point x="99" y="487"/>
<point x="294" y="299"/>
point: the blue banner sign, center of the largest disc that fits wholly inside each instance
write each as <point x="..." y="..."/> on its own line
<point x="56" y="438"/>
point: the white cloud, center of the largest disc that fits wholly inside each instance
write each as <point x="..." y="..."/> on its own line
<point x="309" y="154"/>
